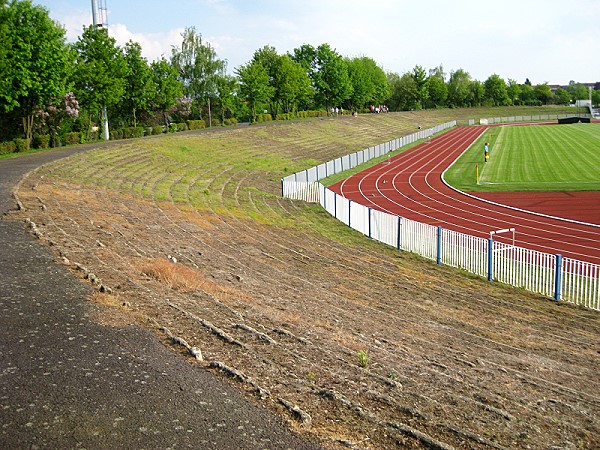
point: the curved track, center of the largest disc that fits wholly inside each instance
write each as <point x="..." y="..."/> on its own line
<point x="410" y="185"/>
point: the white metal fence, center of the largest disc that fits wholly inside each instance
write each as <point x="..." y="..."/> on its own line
<point x="566" y="279"/>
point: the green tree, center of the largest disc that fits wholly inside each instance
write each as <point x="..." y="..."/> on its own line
<point x="34" y="60"/>
<point x="407" y="92"/>
<point x="226" y="89"/>
<point x="198" y="68"/>
<point x="526" y="94"/>
<point x="328" y="72"/>
<point x="100" y="70"/>
<point x="513" y="90"/>
<point x="369" y="83"/>
<point x="420" y="77"/>
<point x="140" y="87"/>
<point x="543" y="93"/>
<point x="437" y="90"/>
<point x="459" y="88"/>
<point x="254" y="85"/>
<point x="168" y="88"/>
<point x="476" y="94"/>
<point x="495" y="91"/>
<point x="562" y="97"/>
<point x="291" y="84"/>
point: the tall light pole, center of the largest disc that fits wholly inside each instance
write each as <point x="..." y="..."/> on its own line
<point x="99" y="20"/>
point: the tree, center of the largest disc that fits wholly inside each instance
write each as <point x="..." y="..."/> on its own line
<point x="254" y="85"/>
<point x="34" y="60"/>
<point x="543" y="93"/>
<point x="407" y="93"/>
<point x="420" y="77"/>
<point x="513" y="90"/>
<point x="437" y="91"/>
<point x="226" y="88"/>
<point x="198" y="68"/>
<point x="369" y="82"/>
<point x="167" y="87"/>
<point x="458" y="88"/>
<point x="100" y="70"/>
<point x="331" y="80"/>
<point x="476" y="94"/>
<point x="495" y="91"/>
<point x="562" y="97"/>
<point x="291" y="84"/>
<point x="139" y="84"/>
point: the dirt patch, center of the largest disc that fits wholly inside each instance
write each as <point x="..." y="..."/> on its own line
<point x="361" y="346"/>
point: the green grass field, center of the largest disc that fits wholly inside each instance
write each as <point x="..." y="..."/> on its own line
<point x="532" y="158"/>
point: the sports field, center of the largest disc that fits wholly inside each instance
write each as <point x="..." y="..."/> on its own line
<point x="531" y="158"/>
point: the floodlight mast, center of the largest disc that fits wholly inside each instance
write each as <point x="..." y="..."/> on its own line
<point x="99" y="12"/>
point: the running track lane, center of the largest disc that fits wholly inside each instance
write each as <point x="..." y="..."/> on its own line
<point x="410" y="185"/>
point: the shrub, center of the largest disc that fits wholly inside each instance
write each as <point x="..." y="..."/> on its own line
<point x="264" y="118"/>
<point x="148" y="131"/>
<point x="230" y="121"/>
<point x="172" y="128"/>
<point x="116" y="134"/>
<point x="196" y="124"/>
<point x="157" y="130"/>
<point x="7" y="147"/>
<point x="72" y="138"/>
<point x="182" y="126"/>
<point x="42" y="141"/>
<point x="22" y="145"/>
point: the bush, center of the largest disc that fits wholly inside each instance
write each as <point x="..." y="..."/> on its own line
<point x="22" y="145"/>
<point x="230" y="121"/>
<point x="72" y="138"/>
<point x="263" y="118"/>
<point x="196" y="124"/>
<point x="132" y="132"/>
<point x="157" y="130"/>
<point x="42" y="141"/>
<point x="182" y="126"/>
<point x="172" y="128"/>
<point x="148" y="131"/>
<point x="7" y="147"/>
<point x="116" y="134"/>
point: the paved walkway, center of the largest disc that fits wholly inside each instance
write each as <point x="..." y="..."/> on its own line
<point x="68" y="382"/>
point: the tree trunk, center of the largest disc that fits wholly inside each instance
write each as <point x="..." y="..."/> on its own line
<point x="209" y="114"/>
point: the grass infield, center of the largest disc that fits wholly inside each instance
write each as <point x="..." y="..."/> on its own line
<point x="531" y="158"/>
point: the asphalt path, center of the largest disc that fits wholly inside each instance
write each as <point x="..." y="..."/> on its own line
<point x="69" y="382"/>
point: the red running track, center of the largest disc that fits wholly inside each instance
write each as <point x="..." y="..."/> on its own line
<point x="410" y="185"/>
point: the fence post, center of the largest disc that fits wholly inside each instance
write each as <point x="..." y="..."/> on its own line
<point x="324" y="196"/>
<point x="399" y="233"/>
<point x="370" y="236"/>
<point x="490" y="260"/>
<point x="282" y="192"/>
<point x="439" y="246"/>
<point x="349" y="215"/>
<point x="335" y="206"/>
<point x="558" y="277"/>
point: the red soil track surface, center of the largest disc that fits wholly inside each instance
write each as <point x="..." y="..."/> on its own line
<point x="410" y="185"/>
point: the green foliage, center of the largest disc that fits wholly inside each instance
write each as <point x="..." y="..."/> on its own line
<point x="254" y="85"/>
<point x="7" y="147"/>
<point x="116" y="134"/>
<point x="22" y="145"/>
<point x="72" y="138"/>
<point x="182" y="126"/>
<point x="363" y="358"/>
<point x="41" y="141"/>
<point x="172" y="128"/>
<point x="100" y="70"/>
<point x="158" y="129"/>
<point x="230" y="121"/>
<point x="195" y="124"/>
<point x="34" y="60"/>
<point x="264" y="118"/>
<point x="132" y="132"/>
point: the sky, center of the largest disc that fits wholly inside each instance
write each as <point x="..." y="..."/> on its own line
<point x="545" y="41"/>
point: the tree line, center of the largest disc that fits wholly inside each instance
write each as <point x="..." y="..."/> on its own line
<point x="54" y="93"/>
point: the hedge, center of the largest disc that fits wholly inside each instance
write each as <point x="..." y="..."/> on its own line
<point x="42" y="141"/>
<point x="196" y="124"/>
